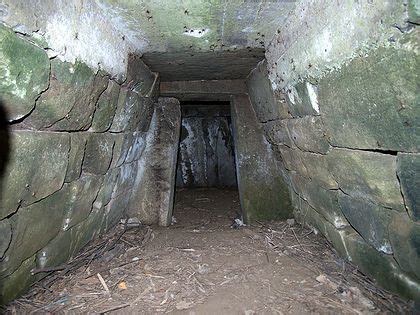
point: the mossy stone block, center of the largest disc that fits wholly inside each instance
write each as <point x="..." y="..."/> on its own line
<point x="367" y="175"/>
<point x="17" y="283"/>
<point x="264" y="101"/>
<point x="76" y="155"/>
<point x="372" y="102"/>
<point x="36" y="169"/>
<point x="405" y="239"/>
<point x="81" y="195"/>
<point x="383" y="268"/>
<point x="369" y="220"/>
<point x="69" y="102"/>
<point x="408" y="166"/>
<point x="308" y="134"/>
<point x="105" y="108"/>
<point x="98" y="153"/>
<point x="24" y="73"/>
<point x="5" y="236"/>
<point x="324" y="201"/>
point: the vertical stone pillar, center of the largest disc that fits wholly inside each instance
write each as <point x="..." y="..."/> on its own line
<point x="262" y="190"/>
<point x="153" y="200"/>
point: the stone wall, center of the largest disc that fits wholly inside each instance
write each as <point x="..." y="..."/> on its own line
<point x="206" y="152"/>
<point x="344" y="122"/>
<point x="71" y="142"/>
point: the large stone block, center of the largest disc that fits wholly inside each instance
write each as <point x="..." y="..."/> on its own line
<point x="133" y="112"/>
<point x="122" y="144"/>
<point x="69" y="102"/>
<point x="383" y="268"/>
<point x="139" y="77"/>
<point x="5" y="236"/>
<point x="324" y="201"/>
<point x="306" y="215"/>
<point x="36" y="169"/>
<point x="316" y="168"/>
<point x="76" y="155"/>
<point x="277" y="133"/>
<point x="367" y="175"/>
<point x="98" y="153"/>
<point x="405" y="239"/>
<point x="17" y="283"/>
<point x="78" y="199"/>
<point x="308" y="134"/>
<point x="137" y="147"/>
<point x="24" y="73"/>
<point x="57" y="251"/>
<point x="126" y="178"/>
<point x="292" y="159"/>
<point x="369" y="220"/>
<point x="108" y="189"/>
<point x="303" y="99"/>
<point x="409" y="175"/>
<point x="266" y="104"/>
<point x="105" y="108"/>
<point x="34" y="226"/>
<point x="372" y="103"/>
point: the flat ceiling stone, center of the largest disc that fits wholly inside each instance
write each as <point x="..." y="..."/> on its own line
<point x="200" y="25"/>
<point x="186" y="66"/>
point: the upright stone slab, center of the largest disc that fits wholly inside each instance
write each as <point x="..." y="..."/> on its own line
<point x="262" y="190"/>
<point x="152" y="200"/>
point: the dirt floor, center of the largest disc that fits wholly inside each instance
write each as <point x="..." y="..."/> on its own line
<point x="200" y="265"/>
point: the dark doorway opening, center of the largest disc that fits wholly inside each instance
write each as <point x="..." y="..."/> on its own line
<point x="206" y="155"/>
<point x="206" y="183"/>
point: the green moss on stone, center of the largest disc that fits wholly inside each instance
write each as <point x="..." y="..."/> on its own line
<point x="367" y="175"/>
<point x="36" y="169"/>
<point x="408" y="173"/>
<point x="24" y="73"/>
<point x="105" y="108"/>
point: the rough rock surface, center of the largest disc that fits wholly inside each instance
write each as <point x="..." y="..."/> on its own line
<point x="153" y="200"/>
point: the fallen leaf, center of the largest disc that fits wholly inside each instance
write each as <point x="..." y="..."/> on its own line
<point x="122" y="286"/>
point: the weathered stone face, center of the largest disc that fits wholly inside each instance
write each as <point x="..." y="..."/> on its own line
<point x="408" y="173"/>
<point x="369" y="219"/>
<point x="105" y="108"/>
<point x="98" y="154"/>
<point x="152" y="200"/>
<point x="24" y="73"/>
<point x="133" y="112"/>
<point x="60" y="185"/>
<point x="266" y="105"/>
<point x="405" y="239"/>
<point x="269" y="198"/>
<point x="69" y="102"/>
<point x="374" y="109"/>
<point x="76" y="155"/>
<point x="37" y="167"/>
<point x="367" y="175"/>
<point x="5" y="236"/>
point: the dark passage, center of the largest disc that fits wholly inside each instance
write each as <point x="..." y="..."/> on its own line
<point x="206" y="149"/>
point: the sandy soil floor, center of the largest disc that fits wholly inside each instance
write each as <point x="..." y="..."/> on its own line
<point x="200" y="265"/>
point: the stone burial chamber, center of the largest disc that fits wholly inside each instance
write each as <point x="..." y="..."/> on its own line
<point x="309" y="108"/>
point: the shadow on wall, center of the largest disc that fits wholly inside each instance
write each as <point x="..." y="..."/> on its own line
<point x="4" y="140"/>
